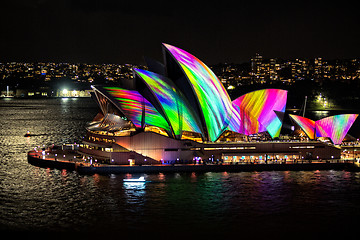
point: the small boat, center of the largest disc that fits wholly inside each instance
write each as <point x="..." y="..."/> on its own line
<point x="140" y="179"/>
<point x="28" y="134"/>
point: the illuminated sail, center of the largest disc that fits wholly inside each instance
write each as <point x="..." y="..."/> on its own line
<point x="244" y="123"/>
<point x="130" y="103"/>
<point x="259" y="110"/>
<point x="335" y="127"/>
<point x="212" y="98"/>
<point x="139" y="110"/>
<point x="179" y="113"/>
<point x="306" y="124"/>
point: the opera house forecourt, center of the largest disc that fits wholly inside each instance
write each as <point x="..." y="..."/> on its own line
<point x="178" y="112"/>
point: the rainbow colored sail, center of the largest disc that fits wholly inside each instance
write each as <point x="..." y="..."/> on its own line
<point x="306" y="124"/>
<point x="259" y="111"/>
<point x="244" y="123"/>
<point x="213" y="100"/>
<point x="138" y="109"/>
<point x="130" y="103"/>
<point x="178" y="112"/>
<point x="334" y="127"/>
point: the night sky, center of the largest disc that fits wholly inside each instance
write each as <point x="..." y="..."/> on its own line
<point x="113" y="31"/>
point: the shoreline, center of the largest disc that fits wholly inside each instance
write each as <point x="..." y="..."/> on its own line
<point x="36" y="159"/>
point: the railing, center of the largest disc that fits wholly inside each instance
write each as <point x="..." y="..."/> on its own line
<point x="69" y="146"/>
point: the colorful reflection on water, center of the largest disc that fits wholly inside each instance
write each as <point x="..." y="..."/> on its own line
<point x="36" y="199"/>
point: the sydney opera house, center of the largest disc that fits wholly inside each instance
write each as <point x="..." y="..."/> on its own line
<point x="178" y="111"/>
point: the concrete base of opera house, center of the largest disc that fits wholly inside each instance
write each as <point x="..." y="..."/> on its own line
<point x="40" y="159"/>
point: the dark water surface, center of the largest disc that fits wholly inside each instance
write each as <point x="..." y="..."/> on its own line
<point x="304" y="203"/>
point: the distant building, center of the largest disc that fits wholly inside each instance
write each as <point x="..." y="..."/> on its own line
<point x="32" y="92"/>
<point x="73" y="93"/>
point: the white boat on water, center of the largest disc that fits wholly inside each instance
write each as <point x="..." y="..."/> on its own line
<point x="140" y="179"/>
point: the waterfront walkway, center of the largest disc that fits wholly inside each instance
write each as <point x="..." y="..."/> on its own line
<point x="69" y="159"/>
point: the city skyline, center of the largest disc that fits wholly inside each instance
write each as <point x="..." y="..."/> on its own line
<point x="113" y="32"/>
<point x="257" y="68"/>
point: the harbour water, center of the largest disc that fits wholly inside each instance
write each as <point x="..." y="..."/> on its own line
<point x="302" y="203"/>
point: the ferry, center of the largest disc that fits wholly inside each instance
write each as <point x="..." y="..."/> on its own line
<point x="140" y="179"/>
